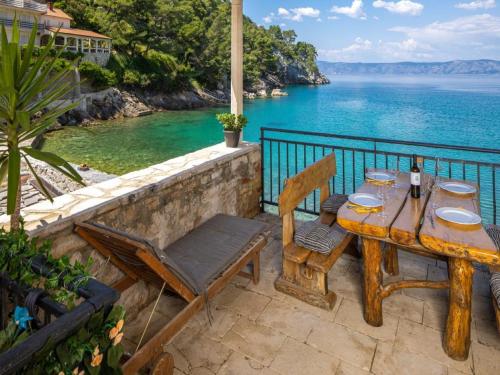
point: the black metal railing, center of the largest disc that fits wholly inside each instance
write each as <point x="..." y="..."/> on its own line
<point x="287" y="152"/>
<point x="53" y="321"/>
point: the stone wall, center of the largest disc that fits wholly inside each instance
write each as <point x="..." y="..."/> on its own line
<point x="161" y="203"/>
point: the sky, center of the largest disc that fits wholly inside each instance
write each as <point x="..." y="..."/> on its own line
<point x="388" y="31"/>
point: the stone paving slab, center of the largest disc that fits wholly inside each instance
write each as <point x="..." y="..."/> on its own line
<point x="257" y="330"/>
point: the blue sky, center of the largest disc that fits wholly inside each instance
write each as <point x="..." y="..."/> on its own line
<point x="388" y="31"/>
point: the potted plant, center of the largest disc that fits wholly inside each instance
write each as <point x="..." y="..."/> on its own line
<point x="232" y="125"/>
<point x="75" y="336"/>
<point x="30" y="87"/>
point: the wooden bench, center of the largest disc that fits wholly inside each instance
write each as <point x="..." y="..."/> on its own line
<point x="233" y="242"/>
<point x="305" y="272"/>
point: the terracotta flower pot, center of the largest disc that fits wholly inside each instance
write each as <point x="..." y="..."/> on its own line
<point x="232" y="138"/>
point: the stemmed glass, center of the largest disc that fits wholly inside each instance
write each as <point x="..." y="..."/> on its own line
<point x="437" y="181"/>
<point x="382" y="195"/>
<point x="396" y="172"/>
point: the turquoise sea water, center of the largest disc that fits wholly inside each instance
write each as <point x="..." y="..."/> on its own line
<point x="453" y="110"/>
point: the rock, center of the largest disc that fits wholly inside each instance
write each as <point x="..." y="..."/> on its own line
<point x="262" y="93"/>
<point x="278" y="92"/>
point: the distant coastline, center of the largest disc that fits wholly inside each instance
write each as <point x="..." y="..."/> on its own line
<point x="455" y="67"/>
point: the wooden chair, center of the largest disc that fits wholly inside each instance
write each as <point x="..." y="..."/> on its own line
<point x="305" y="272"/>
<point x="173" y="267"/>
<point x="494" y="232"/>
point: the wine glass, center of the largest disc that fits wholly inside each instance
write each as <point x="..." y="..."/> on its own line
<point x="382" y="195"/>
<point x="437" y="181"/>
<point x="396" y="172"/>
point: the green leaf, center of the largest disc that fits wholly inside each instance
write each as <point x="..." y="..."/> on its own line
<point x="96" y="321"/>
<point x="23" y="118"/>
<point x="23" y="336"/>
<point x="64" y="354"/>
<point x="40" y="183"/>
<point x="116" y="314"/>
<point x="13" y="180"/>
<point x="114" y="355"/>
<point x="54" y="161"/>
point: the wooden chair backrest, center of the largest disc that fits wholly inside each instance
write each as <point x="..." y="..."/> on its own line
<point x="297" y="188"/>
<point x="132" y="257"/>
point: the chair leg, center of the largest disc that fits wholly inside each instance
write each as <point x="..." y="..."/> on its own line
<point x="306" y="284"/>
<point x="256" y="268"/>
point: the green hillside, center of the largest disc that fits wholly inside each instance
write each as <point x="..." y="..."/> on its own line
<point x="176" y="44"/>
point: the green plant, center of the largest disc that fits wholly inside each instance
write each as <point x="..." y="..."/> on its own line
<point x="29" y="90"/>
<point x="98" y="76"/>
<point x="232" y="122"/>
<point x="95" y="348"/>
<point x="17" y="251"/>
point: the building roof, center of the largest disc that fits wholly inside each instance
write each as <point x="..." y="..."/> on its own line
<point x="79" y="32"/>
<point x="55" y="12"/>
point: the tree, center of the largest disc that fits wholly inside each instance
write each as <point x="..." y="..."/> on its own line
<point x="29" y="89"/>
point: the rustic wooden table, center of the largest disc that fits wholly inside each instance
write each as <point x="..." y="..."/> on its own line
<point x="413" y="225"/>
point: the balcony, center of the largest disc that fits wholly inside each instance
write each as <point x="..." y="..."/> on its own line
<point x="256" y="328"/>
<point x="24" y="4"/>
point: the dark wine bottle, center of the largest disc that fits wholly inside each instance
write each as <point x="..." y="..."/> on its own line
<point x="415" y="179"/>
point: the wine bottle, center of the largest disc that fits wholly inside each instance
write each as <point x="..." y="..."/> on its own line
<point x="415" y="179"/>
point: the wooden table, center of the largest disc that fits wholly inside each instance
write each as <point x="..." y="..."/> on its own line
<point x="412" y="224"/>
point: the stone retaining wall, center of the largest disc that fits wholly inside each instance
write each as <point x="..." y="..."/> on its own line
<point x="161" y="203"/>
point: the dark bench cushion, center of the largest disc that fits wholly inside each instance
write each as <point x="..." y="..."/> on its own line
<point x="495" y="286"/>
<point x="315" y="236"/>
<point x="333" y="203"/>
<point x="205" y="253"/>
<point x="494" y="233"/>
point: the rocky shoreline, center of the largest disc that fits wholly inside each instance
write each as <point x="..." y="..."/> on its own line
<point x="115" y="103"/>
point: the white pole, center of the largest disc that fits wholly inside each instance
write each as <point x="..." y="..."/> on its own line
<point x="237" y="57"/>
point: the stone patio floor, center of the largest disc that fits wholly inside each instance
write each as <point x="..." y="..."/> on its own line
<point x="257" y="330"/>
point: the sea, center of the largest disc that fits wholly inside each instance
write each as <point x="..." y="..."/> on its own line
<point x="453" y="110"/>
<point x="456" y="110"/>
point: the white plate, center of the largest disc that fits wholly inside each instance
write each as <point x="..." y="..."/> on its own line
<point x="365" y="200"/>
<point x="458" y="216"/>
<point x="457" y="187"/>
<point x="381" y="176"/>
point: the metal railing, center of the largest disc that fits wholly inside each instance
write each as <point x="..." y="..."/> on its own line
<point x="32" y="5"/>
<point x="287" y="152"/>
<point x="22" y="24"/>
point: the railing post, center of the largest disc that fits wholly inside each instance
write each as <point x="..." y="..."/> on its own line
<point x="262" y="170"/>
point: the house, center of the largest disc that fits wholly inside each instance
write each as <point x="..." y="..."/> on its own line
<point x="95" y="47"/>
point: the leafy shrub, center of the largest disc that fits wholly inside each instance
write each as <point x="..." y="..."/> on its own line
<point x="232" y="122"/>
<point x="61" y="64"/>
<point x="131" y="77"/>
<point x="98" y="76"/>
<point x="95" y="349"/>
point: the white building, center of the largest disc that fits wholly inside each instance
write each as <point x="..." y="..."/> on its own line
<point x="95" y="47"/>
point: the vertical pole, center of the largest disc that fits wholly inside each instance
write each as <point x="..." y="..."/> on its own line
<point x="237" y="57"/>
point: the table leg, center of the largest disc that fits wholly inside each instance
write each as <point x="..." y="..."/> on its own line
<point x="457" y="336"/>
<point x="372" y="281"/>
<point x="391" y="262"/>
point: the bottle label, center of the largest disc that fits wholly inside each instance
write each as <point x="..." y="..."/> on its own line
<point x="415" y="179"/>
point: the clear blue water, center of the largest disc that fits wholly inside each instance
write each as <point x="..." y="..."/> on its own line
<point x="459" y="110"/>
